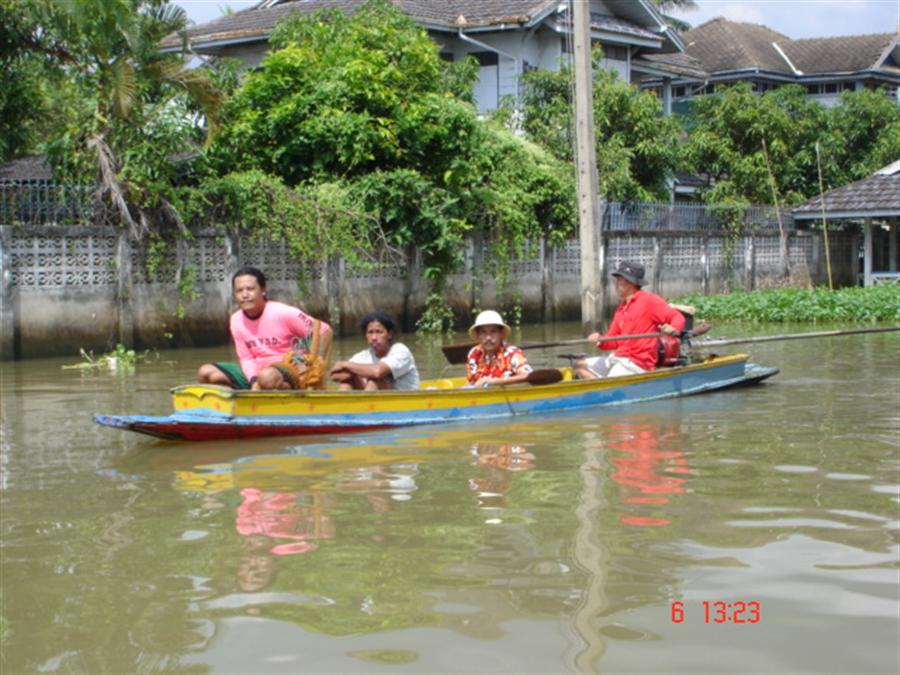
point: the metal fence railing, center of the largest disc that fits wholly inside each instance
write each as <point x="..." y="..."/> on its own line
<point x="640" y="216"/>
<point x="39" y="203"/>
<point x="49" y="204"/>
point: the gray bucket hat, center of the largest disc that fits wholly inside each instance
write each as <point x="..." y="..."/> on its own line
<point x="630" y="271"/>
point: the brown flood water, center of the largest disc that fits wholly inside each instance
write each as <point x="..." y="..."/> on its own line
<point x="549" y="545"/>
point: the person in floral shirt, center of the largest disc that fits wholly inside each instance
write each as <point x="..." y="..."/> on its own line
<point x="492" y="361"/>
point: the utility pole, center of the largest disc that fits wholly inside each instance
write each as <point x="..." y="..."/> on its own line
<point x="589" y="212"/>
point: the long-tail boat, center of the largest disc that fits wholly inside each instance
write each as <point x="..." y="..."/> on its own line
<point x="210" y="412"/>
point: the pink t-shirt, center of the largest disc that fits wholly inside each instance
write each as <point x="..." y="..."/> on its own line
<point x="262" y="341"/>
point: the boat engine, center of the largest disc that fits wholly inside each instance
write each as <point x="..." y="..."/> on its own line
<point x="676" y="351"/>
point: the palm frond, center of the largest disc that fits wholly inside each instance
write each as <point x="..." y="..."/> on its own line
<point x="109" y="185"/>
<point x="198" y="86"/>
<point x="666" y="5"/>
<point x="162" y="20"/>
<point x="173" y="17"/>
<point x="122" y="87"/>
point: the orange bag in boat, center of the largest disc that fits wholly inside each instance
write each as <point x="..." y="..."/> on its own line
<point x="307" y="367"/>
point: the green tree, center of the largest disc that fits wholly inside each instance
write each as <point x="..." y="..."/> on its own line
<point x="731" y="132"/>
<point x="363" y="106"/>
<point x="862" y="135"/>
<point x="637" y="148"/>
<point x="665" y="6"/>
<point x="36" y="97"/>
<point x="728" y="135"/>
<point x="134" y="111"/>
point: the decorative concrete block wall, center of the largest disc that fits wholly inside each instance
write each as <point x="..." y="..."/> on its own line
<point x="69" y="287"/>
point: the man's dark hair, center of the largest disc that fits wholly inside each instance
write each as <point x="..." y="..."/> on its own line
<point x="381" y="317"/>
<point x="248" y="271"/>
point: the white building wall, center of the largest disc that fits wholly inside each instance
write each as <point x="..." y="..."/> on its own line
<point x="500" y="80"/>
<point x="495" y="81"/>
<point x="621" y="68"/>
<point x="251" y="55"/>
<point x="827" y="100"/>
<point x="541" y="49"/>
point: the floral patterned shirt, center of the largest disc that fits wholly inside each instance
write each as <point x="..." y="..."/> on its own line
<point x="506" y="362"/>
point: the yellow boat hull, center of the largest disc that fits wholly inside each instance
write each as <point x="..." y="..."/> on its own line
<point x="211" y="412"/>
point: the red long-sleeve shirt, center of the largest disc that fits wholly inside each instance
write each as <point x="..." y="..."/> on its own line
<point x="643" y="312"/>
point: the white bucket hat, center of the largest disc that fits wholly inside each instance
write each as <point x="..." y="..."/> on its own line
<point x="488" y="318"/>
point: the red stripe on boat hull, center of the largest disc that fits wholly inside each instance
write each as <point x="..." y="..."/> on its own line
<point x="220" y="432"/>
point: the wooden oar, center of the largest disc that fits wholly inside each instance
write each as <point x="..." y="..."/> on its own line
<point x="457" y="353"/>
<point x="699" y="344"/>
<point x="539" y="376"/>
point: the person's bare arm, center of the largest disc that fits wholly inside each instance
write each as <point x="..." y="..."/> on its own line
<point x="494" y="381"/>
<point x="374" y="371"/>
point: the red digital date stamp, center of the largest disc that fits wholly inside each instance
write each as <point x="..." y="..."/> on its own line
<point x="722" y="612"/>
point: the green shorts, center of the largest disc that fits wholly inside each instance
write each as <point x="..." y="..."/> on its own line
<point x="235" y="375"/>
<point x="238" y="380"/>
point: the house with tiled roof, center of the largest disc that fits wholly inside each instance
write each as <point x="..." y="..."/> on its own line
<point x="730" y="51"/>
<point x="506" y="37"/>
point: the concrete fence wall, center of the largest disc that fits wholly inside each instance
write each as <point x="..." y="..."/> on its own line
<point x="69" y="287"/>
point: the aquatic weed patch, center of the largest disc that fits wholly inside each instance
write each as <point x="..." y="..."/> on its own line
<point x="850" y="305"/>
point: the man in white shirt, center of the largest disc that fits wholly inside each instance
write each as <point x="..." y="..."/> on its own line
<point x="384" y="365"/>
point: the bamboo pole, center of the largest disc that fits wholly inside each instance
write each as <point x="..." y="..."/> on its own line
<point x="782" y="249"/>
<point x="457" y="353"/>
<point x="824" y="222"/>
<point x="700" y="344"/>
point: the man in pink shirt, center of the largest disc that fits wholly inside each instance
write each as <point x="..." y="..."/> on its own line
<point x="263" y="331"/>
<point x="639" y="312"/>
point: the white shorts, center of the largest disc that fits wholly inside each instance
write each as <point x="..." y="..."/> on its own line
<point x="612" y="366"/>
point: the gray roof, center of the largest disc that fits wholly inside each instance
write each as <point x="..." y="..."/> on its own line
<point x="840" y="54"/>
<point x="677" y="63"/>
<point x="875" y="196"/>
<point x="723" y="45"/>
<point x="612" y="24"/>
<point x="720" y="44"/>
<point x="257" y="22"/>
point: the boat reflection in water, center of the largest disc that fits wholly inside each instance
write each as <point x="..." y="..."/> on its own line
<point x="287" y="500"/>
<point x="645" y="455"/>
<point x="461" y="529"/>
<point x="496" y="462"/>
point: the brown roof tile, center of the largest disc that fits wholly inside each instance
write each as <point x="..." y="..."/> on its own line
<point x="676" y="63"/>
<point x="720" y="44"/>
<point x="723" y="45"/>
<point x="487" y="11"/>
<point x="875" y="194"/>
<point x="613" y="24"/>
<point x="255" y="21"/>
<point x="259" y="22"/>
<point x="843" y="54"/>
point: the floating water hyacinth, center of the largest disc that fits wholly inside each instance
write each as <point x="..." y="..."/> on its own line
<point x="120" y="359"/>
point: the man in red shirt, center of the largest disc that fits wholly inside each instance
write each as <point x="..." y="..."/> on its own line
<point x="639" y="312"/>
